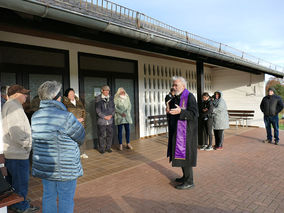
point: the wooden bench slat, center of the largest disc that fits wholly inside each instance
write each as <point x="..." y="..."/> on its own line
<point x="10" y="200"/>
<point x="241" y="111"/>
<point x="158" y="121"/>
<point x="242" y="115"/>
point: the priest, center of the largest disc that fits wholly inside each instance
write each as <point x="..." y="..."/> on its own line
<point x="183" y="132"/>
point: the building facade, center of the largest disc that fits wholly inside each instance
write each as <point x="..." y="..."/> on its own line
<point x="84" y="59"/>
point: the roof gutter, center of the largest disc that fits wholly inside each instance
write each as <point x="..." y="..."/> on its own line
<point x="53" y="12"/>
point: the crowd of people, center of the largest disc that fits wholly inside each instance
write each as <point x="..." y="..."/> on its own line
<point x="55" y="135"/>
<point x="214" y="115"/>
<point x="182" y="112"/>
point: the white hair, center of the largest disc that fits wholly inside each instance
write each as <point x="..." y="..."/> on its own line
<point x="181" y="79"/>
<point x="48" y="90"/>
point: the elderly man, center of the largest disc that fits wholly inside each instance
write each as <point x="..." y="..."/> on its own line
<point x="182" y="146"/>
<point x="17" y="145"/>
<point x="56" y="135"/>
<point x="105" y="111"/>
<point x="271" y="105"/>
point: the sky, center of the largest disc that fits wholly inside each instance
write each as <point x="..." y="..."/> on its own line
<point x="252" y="26"/>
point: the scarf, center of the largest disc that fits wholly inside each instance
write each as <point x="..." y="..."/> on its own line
<point x="180" y="149"/>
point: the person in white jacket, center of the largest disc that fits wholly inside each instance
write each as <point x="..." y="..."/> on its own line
<point x="220" y="119"/>
<point x="17" y="145"/>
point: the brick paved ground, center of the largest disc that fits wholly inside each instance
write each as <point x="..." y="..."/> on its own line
<point x="247" y="176"/>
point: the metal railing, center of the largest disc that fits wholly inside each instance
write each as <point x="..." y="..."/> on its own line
<point x="110" y="11"/>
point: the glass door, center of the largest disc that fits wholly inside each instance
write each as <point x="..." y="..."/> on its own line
<point x="34" y="81"/>
<point x="8" y="78"/>
<point x="96" y="71"/>
<point x="128" y="85"/>
<point x="92" y="88"/>
<point x="30" y="66"/>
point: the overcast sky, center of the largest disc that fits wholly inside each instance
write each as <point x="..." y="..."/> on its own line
<point x="253" y="26"/>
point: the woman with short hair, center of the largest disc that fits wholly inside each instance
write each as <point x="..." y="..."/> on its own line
<point x="56" y="137"/>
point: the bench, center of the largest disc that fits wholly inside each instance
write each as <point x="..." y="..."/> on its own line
<point x="240" y="116"/>
<point x="11" y="198"/>
<point x="158" y="121"/>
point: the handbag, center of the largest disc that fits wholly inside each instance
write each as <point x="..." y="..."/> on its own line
<point x="5" y="188"/>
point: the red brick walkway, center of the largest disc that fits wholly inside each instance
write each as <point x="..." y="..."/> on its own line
<point x="247" y="176"/>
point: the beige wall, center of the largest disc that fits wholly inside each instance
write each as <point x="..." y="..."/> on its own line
<point x="241" y="90"/>
<point x="143" y="60"/>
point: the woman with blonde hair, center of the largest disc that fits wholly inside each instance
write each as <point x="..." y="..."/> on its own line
<point x="122" y="116"/>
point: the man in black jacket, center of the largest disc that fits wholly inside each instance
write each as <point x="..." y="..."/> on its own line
<point x="271" y="105"/>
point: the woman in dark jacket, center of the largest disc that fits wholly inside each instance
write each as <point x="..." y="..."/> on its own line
<point x="207" y="121"/>
<point x="75" y="106"/>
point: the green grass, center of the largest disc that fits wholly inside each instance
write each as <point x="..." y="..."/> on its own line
<point x="281" y="123"/>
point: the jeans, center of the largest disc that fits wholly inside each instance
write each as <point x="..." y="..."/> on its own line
<point x="18" y="177"/>
<point x="64" y="190"/>
<point x="274" y="120"/>
<point x="127" y="133"/>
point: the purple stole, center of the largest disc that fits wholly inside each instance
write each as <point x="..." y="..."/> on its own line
<point x="180" y="149"/>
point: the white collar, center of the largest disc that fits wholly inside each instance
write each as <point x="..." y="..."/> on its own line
<point x="73" y="102"/>
<point x="105" y="96"/>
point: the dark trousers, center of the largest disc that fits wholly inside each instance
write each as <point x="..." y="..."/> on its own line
<point x="105" y="133"/>
<point x="219" y="137"/>
<point x="187" y="174"/>
<point x="18" y="177"/>
<point x="127" y="133"/>
<point x="207" y="131"/>
<point x="274" y="120"/>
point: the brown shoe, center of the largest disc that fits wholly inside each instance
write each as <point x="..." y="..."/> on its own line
<point x="120" y="147"/>
<point x="267" y="141"/>
<point x="129" y="146"/>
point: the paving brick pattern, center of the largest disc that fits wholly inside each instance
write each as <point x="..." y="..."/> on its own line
<point x="247" y="176"/>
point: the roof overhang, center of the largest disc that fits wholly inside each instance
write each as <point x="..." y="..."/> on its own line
<point x="195" y="52"/>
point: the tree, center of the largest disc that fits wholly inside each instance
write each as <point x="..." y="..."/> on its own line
<point x="279" y="90"/>
<point x="277" y="85"/>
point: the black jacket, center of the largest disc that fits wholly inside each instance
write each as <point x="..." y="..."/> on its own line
<point x="206" y="105"/>
<point x="169" y="97"/>
<point x="190" y="114"/>
<point x="271" y="105"/>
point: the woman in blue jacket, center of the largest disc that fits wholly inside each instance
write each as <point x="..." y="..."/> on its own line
<point x="56" y="136"/>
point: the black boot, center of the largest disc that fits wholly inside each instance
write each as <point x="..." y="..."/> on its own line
<point x="180" y="180"/>
<point x="185" y="186"/>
